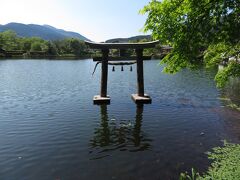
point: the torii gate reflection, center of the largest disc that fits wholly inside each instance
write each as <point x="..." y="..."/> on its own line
<point x="122" y="136"/>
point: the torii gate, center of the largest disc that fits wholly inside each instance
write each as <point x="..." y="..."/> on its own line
<point x="140" y="97"/>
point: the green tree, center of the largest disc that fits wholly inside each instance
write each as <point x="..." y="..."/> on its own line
<point x="194" y="29"/>
<point x="36" y="46"/>
<point x="25" y="44"/>
<point x="78" y="47"/>
<point x="1" y="40"/>
<point x="63" y="46"/>
<point x="9" y="40"/>
<point x="51" y="48"/>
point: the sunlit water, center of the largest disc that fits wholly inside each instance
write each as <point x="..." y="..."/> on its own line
<point x="50" y="129"/>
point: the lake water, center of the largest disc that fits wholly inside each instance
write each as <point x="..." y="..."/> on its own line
<point x="50" y="129"/>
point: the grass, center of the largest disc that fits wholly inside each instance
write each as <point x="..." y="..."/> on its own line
<point x="225" y="165"/>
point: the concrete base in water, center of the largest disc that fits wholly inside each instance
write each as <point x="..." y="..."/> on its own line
<point x="146" y="99"/>
<point x="101" y="100"/>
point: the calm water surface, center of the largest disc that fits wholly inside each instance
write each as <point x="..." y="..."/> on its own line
<point x="50" y="129"/>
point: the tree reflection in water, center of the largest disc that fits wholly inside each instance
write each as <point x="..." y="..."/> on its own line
<point x="232" y="91"/>
<point x="113" y="135"/>
<point x="230" y="96"/>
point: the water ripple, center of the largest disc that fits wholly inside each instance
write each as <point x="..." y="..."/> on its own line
<point x="49" y="128"/>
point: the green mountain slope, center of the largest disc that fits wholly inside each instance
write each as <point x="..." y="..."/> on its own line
<point x="45" y="32"/>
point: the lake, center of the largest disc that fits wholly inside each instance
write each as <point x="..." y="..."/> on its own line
<point x="50" y="129"/>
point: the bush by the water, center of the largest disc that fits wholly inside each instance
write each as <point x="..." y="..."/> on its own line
<point x="225" y="165"/>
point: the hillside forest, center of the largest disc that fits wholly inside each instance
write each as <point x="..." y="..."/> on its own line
<point x="9" y="41"/>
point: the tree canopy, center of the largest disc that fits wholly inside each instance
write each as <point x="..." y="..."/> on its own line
<point x="200" y="31"/>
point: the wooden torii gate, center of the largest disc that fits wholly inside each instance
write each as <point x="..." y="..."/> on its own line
<point x="140" y="97"/>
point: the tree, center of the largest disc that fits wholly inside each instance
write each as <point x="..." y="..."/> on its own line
<point x="200" y="31"/>
<point x="9" y="40"/>
<point x="36" y="46"/>
<point x="25" y="44"/>
<point x="51" y="48"/>
<point x="78" y="47"/>
<point x="63" y="46"/>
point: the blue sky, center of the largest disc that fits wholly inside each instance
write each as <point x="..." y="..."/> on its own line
<point x="98" y="20"/>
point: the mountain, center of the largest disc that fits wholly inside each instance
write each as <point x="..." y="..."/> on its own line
<point x="125" y="40"/>
<point x="43" y="31"/>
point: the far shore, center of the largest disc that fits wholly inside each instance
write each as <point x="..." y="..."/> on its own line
<point x="154" y="57"/>
<point x="46" y="57"/>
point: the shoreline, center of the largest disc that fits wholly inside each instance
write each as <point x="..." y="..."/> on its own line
<point x="46" y="57"/>
<point x="58" y="58"/>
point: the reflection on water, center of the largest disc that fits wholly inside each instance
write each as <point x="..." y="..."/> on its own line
<point x="118" y="135"/>
<point x="230" y="97"/>
<point x="232" y="91"/>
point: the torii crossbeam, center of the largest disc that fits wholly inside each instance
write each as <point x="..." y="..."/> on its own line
<point x="140" y="97"/>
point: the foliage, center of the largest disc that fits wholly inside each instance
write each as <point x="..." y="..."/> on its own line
<point x="225" y="54"/>
<point x="194" y="27"/>
<point x="232" y="70"/>
<point x="36" y="46"/>
<point x="225" y="164"/>
<point x="194" y="175"/>
<point x="77" y="46"/>
<point x="51" y="48"/>
<point x="9" y="41"/>
<point x="71" y="46"/>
